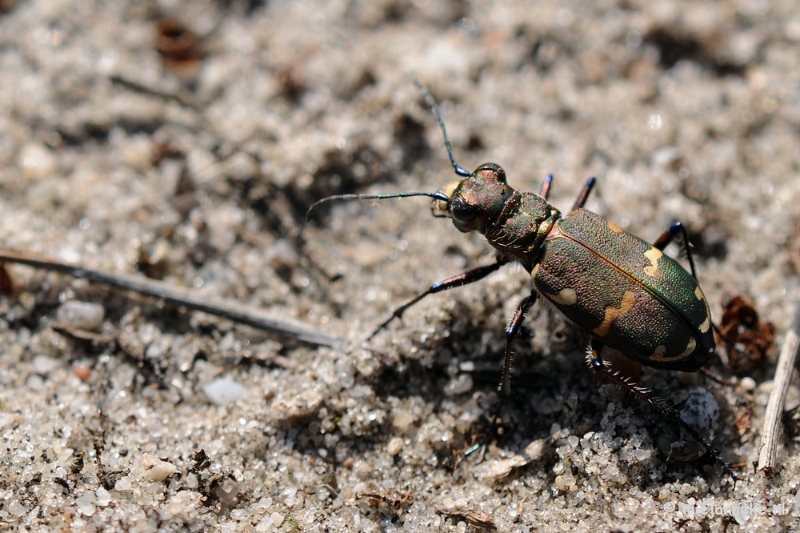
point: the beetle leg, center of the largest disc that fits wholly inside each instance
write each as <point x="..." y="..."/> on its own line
<point x="545" y="192"/>
<point x="511" y="333"/>
<point x="595" y="360"/>
<point x="668" y="236"/>
<point x="598" y="365"/>
<point x="584" y="195"/>
<point x="465" y="278"/>
<point x="512" y="330"/>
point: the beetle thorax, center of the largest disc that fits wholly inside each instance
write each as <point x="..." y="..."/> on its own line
<point x="522" y="227"/>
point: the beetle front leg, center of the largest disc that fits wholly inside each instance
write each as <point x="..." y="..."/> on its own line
<point x="465" y="278"/>
<point x="511" y="333"/>
<point x="512" y="330"/>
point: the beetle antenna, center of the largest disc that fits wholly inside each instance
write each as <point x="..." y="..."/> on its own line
<point x="426" y="94"/>
<point x="347" y="197"/>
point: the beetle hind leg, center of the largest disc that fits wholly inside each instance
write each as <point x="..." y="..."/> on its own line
<point x="584" y="194"/>
<point x="677" y="229"/>
<point x="599" y="366"/>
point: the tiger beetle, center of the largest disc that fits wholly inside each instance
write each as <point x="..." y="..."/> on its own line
<point x="623" y="291"/>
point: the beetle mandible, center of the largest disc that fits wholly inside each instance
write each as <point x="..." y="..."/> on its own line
<point x="623" y="291"/>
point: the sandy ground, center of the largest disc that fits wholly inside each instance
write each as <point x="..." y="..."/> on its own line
<point x="195" y="166"/>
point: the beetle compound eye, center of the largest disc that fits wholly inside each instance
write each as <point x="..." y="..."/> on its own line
<point x="461" y="212"/>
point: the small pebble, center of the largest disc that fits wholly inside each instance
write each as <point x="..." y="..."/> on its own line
<point x="85" y="504"/>
<point x="16" y="509"/>
<point x="43" y="364"/>
<point x="402" y="420"/>
<point x="564" y="482"/>
<point x="395" y="446"/>
<point x="461" y="384"/>
<point x="265" y="524"/>
<point x="81" y="315"/>
<point x="227" y="491"/>
<point x="223" y="391"/>
<point x="699" y="409"/>
<point x="747" y="383"/>
<point x="155" y="469"/>
<point x="123" y="484"/>
<point x="37" y="161"/>
<point x="103" y="497"/>
<point x="277" y="519"/>
<point x="641" y="455"/>
<point x="82" y="371"/>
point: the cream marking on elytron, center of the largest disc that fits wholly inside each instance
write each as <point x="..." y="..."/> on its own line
<point x="707" y="322"/>
<point x="653" y="255"/>
<point x="689" y="349"/>
<point x="699" y="293"/>
<point x="564" y="297"/>
<point x="628" y="299"/>
<point x="613" y="227"/>
<point x="660" y="353"/>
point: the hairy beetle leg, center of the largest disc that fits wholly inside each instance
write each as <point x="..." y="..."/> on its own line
<point x="511" y="333"/>
<point x="598" y="365"/>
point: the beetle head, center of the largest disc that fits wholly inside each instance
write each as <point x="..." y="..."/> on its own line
<point x="475" y="200"/>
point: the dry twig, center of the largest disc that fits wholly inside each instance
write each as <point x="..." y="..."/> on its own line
<point x="783" y="377"/>
<point x="231" y="310"/>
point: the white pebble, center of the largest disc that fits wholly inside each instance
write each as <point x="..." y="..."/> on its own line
<point x="81" y="315"/>
<point x="747" y="383"/>
<point x="741" y="513"/>
<point x="43" y="364"/>
<point x="265" y="524"/>
<point x="402" y="420"/>
<point x="227" y="492"/>
<point x="564" y="482"/>
<point x="223" y="391"/>
<point x="37" y="162"/>
<point x="85" y="504"/>
<point x="123" y="484"/>
<point x="277" y="519"/>
<point x="461" y="384"/>
<point x="16" y="509"/>
<point x="155" y="469"/>
<point x="395" y="446"/>
<point x="103" y="497"/>
<point x="641" y="455"/>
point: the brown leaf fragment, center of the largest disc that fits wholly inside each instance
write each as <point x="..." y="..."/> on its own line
<point x="749" y="339"/>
